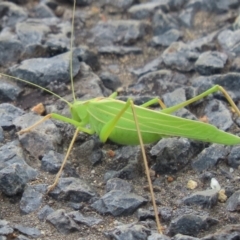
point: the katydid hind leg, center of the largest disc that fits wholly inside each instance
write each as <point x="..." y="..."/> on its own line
<point x="154" y="101"/>
<point x="159" y="227"/>
<point x="105" y="133"/>
<point x="212" y="90"/>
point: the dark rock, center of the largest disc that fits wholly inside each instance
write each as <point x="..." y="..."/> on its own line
<point x="230" y="40"/>
<point x="11" y="49"/>
<point x="164" y="212"/>
<point x="190" y="224"/>
<point x="14" y="172"/>
<point x="110" y="81"/>
<point x="126" y="164"/>
<point x="180" y="56"/>
<point x="120" y="5"/>
<point x="158" y="236"/>
<point x="44" y="212"/>
<point x="234" y="156"/>
<point x="229" y="81"/>
<point x="43" y="138"/>
<point x="233" y="203"/>
<point x="83" y="3"/>
<point x="209" y="157"/>
<point x="84" y="54"/>
<point x="218" y="115"/>
<point x="11" y="14"/>
<point x="207" y="198"/>
<point x="184" y="237"/>
<point x="87" y="148"/>
<point x="1" y="135"/>
<point x="11" y="153"/>
<point x="146" y="10"/>
<point x="96" y="157"/>
<point x="152" y="66"/>
<point x="166" y="39"/>
<point x="211" y="62"/>
<point x="186" y="17"/>
<point x="8" y="113"/>
<point x="118" y="31"/>
<point x="163" y="22"/>
<point x="175" y="5"/>
<point x="73" y="190"/>
<point x="79" y="218"/>
<point x="76" y="206"/>
<point x="203" y="42"/>
<point x="32" y="31"/>
<point x="159" y="82"/>
<point x="129" y="231"/>
<point x="229" y="232"/>
<point x="235" y="65"/>
<point x="118" y="203"/>
<point x="119" y="50"/>
<point x="206" y="176"/>
<point x="118" y="184"/>
<point x="174" y="98"/>
<point x="184" y="113"/>
<point x="52" y="161"/>
<point x="32" y="198"/>
<point x="14" y="177"/>
<point x="9" y="91"/>
<point x="62" y="222"/>
<point x="172" y="154"/>
<point x="31" y="232"/>
<point x="22" y="237"/>
<point x="43" y="11"/>
<point x="5" y="229"/>
<point x="42" y="71"/>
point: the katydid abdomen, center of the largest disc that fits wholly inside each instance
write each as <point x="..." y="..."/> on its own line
<point x="153" y="125"/>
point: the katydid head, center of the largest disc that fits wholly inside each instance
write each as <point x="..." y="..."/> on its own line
<point x="79" y="111"/>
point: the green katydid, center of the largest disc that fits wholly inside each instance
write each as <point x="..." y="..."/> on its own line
<point x="128" y="124"/>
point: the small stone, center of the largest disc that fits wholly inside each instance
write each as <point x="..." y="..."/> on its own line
<point x="190" y="224"/>
<point x="79" y="218"/>
<point x="118" y="203"/>
<point x="73" y="190"/>
<point x="8" y="113"/>
<point x="222" y="197"/>
<point x="118" y="184"/>
<point x="214" y="184"/>
<point x="209" y="157"/>
<point x="192" y="184"/>
<point x="31" y="232"/>
<point x="5" y="229"/>
<point x="32" y="198"/>
<point x="62" y="222"/>
<point x="233" y="203"/>
<point x="211" y="62"/>
<point x="207" y="198"/>
<point x="44" y="212"/>
<point x="128" y="231"/>
<point x="180" y="236"/>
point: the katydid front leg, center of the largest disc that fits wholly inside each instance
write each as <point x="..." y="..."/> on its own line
<point x="79" y="126"/>
<point x="60" y="118"/>
<point x="214" y="89"/>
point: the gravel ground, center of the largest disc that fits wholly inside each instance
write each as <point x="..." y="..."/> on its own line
<point x="174" y="50"/>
